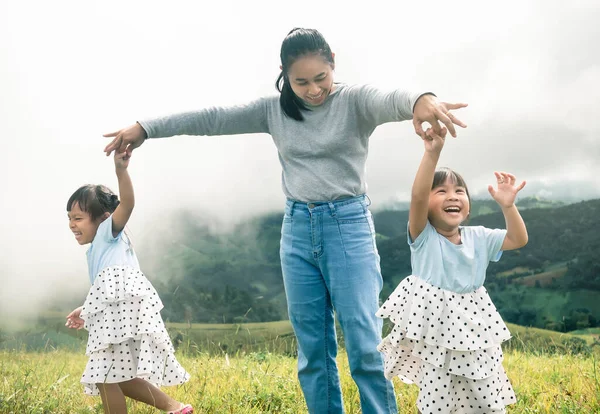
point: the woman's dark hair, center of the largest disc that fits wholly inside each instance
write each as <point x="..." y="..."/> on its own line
<point x="94" y="200"/>
<point x="298" y="42"/>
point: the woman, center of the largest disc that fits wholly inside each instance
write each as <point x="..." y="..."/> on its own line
<point x="328" y="254"/>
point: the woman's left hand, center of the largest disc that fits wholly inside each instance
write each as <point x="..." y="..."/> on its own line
<point x="429" y="109"/>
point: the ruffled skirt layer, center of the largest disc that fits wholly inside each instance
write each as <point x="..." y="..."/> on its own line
<point x="127" y="337"/>
<point x="449" y="345"/>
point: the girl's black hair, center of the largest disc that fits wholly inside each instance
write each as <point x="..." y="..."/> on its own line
<point x="442" y="174"/>
<point x="298" y="42"/>
<point x="94" y="200"/>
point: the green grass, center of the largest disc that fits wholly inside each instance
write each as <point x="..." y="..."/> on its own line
<point x="514" y="271"/>
<point x="251" y="368"/>
<point x="541" y="340"/>
<point x="543" y="279"/>
<point x="588" y="331"/>
<point x="48" y="382"/>
<point x="49" y="333"/>
<point x="274" y="337"/>
<point x="548" y="304"/>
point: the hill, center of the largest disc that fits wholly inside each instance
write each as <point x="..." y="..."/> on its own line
<point x="48" y="333"/>
<point x="224" y="277"/>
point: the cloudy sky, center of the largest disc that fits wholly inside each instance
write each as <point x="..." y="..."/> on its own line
<point x="71" y="71"/>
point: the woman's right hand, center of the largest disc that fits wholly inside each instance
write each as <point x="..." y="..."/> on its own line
<point x="126" y="139"/>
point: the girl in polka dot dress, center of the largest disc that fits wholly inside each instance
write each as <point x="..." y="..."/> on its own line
<point x="130" y="352"/>
<point x="447" y="333"/>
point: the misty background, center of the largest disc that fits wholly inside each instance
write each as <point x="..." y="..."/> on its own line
<point x="71" y="71"/>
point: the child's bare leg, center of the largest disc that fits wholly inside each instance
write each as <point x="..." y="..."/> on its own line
<point x="141" y="390"/>
<point x="113" y="399"/>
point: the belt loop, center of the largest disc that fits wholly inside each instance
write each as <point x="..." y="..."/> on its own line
<point x="365" y="203"/>
<point x="331" y="208"/>
<point x="292" y="203"/>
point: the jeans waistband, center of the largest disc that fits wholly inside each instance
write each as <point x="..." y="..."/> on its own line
<point x="316" y="206"/>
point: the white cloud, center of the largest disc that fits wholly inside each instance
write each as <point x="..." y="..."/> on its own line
<point x="71" y="71"/>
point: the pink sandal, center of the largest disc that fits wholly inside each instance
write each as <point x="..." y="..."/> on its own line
<point x="186" y="409"/>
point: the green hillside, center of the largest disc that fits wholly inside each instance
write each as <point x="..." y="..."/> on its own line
<point x="48" y="333"/>
<point x="234" y="276"/>
<point x="553" y="282"/>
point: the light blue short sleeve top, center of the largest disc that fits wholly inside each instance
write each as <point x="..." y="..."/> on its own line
<point x="458" y="268"/>
<point x="108" y="250"/>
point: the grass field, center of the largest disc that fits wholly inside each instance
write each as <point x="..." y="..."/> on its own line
<point x="48" y="382"/>
<point x="516" y="270"/>
<point x="49" y="334"/>
<point x="251" y="368"/>
<point x="543" y="279"/>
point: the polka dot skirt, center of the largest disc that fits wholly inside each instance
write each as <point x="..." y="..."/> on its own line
<point x="449" y="345"/>
<point x="127" y="336"/>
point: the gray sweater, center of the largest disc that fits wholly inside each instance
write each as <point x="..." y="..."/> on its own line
<point x="323" y="157"/>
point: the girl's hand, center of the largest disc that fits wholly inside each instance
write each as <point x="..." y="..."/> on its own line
<point x="506" y="193"/>
<point x="434" y="142"/>
<point x="126" y="139"/>
<point x="74" y="321"/>
<point x="122" y="159"/>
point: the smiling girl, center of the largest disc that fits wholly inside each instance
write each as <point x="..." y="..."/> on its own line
<point x="130" y="352"/>
<point x="447" y="333"/>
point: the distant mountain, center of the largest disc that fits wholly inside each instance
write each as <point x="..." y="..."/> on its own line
<point x="392" y="222"/>
<point x="481" y="206"/>
<point x="206" y="276"/>
<point x="556" y="191"/>
<point x="553" y="282"/>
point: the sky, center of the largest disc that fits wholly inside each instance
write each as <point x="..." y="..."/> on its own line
<point x="71" y="71"/>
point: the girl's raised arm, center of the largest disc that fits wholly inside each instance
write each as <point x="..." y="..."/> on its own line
<point x="127" y="200"/>
<point x="505" y="195"/>
<point x="419" y="202"/>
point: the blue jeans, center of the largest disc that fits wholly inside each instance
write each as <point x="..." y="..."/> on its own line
<point x="330" y="262"/>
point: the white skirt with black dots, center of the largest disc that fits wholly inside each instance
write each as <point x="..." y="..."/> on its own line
<point x="127" y="336"/>
<point x="449" y="345"/>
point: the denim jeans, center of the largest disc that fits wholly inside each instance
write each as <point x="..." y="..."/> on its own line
<point x="330" y="263"/>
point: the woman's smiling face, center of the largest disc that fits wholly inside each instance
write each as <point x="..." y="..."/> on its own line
<point x="311" y="79"/>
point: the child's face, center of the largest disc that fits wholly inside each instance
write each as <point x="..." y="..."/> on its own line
<point x="448" y="206"/>
<point x="82" y="226"/>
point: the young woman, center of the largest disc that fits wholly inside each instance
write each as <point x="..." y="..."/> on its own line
<point x="328" y="253"/>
